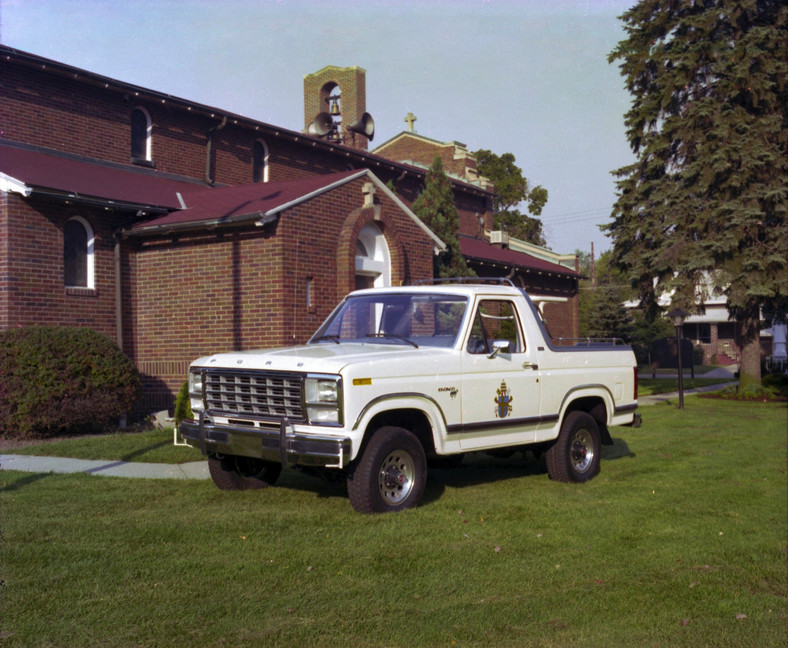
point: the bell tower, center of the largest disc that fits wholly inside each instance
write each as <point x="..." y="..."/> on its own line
<point x="335" y="100"/>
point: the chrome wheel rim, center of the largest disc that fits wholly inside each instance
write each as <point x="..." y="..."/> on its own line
<point x="396" y="477"/>
<point x="581" y="451"/>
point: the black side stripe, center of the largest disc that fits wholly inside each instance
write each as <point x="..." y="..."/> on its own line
<point x="501" y="424"/>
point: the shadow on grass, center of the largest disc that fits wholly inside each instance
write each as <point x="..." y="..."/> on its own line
<point x="27" y="480"/>
<point x="619" y="450"/>
<point x="142" y="451"/>
<point x="473" y="470"/>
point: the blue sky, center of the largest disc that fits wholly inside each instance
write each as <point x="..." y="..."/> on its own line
<point x="527" y="77"/>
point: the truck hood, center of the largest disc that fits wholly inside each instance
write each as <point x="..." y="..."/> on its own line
<point x="319" y="358"/>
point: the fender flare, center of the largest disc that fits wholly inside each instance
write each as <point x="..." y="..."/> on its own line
<point x="587" y="391"/>
<point x="406" y="400"/>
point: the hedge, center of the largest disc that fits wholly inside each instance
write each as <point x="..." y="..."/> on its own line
<point x="56" y="379"/>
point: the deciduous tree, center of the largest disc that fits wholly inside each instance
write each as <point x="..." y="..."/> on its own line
<point x="512" y="189"/>
<point x="706" y="197"/>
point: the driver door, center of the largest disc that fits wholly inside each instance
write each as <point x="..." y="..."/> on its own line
<point x="500" y="381"/>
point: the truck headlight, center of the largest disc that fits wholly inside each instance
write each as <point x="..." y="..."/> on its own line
<point x="322" y="395"/>
<point x="195" y="390"/>
<point x="195" y="384"/>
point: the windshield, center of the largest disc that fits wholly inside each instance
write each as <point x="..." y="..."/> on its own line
<point x="416" y="319"/>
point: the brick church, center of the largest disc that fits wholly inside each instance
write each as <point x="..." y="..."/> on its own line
<point x="179" y="230"/>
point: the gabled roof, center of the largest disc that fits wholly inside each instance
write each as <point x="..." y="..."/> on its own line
<point x="241" y="203"/>
<point x="26" y="169"/>
<point x="479" y="250"/>
<point x="260" y="203"/>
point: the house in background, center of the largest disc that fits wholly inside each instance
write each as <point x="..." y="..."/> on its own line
<point x="179" y="229"/>
<point x="717" y="334"/>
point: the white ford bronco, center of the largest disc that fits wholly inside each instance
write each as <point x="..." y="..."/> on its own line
<point x="397" y="377"/>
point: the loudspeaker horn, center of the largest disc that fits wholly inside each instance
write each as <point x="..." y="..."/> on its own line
<point x="321" y="125"/>
<point x="365" y="126"/>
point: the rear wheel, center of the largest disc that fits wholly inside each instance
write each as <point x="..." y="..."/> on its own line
<point x="230" y="472"/>
<point x="575" y="455"/>
<point x="391" y="473"/>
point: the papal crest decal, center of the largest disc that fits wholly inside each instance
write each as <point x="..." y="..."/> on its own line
<point x="503" y="401"/>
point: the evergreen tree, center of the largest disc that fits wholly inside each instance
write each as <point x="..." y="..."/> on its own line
<point x="706" y="196"/>
<point x="435" y="207"/>
<point x="607" y="316"/>
<point x="511" y="189"/>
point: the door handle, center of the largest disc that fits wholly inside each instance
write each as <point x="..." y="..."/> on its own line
<point x="530" y="365"/>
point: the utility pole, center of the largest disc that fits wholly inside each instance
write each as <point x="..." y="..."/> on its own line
<point x="593" y="266"/>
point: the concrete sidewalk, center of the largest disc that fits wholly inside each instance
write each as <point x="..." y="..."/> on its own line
<point x="36" y="464"/>
<point x="663" y="398"/>
<point x="727" y="374"/>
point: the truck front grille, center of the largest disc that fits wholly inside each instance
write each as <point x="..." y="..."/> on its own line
<point x="257" y="394"/>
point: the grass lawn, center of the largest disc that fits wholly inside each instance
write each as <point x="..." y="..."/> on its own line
<point x="680" y="541"/>
<point x="153" y="446"/>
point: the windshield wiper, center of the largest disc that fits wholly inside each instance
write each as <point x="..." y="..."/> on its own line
<point x="331" y="338"/>
<point x="389" y="336"/>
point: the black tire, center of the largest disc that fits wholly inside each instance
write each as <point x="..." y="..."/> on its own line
<point x="390" y="474"/>
<point x="575" y="455"/>
<point x="231" y="472"/>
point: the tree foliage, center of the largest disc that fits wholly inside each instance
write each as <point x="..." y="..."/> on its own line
<point x="706" y="196"/>
<point x="436" y="208"/>
<point x="512" y="189"/>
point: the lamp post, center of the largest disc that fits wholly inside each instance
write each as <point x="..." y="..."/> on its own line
<point x="677" y="317"/>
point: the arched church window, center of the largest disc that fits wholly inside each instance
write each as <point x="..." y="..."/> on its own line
<point x="78" y="262"/>
<point x="140" y="135"/>
<point x="259" y="161"/>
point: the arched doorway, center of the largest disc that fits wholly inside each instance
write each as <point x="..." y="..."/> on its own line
<point x="373" y="263"/>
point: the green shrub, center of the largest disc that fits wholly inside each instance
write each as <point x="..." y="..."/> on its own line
<point x="183" y="406"/>
<point x="56" y="379"/>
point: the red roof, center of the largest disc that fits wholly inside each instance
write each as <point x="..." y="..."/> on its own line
<point x="472" y="248"/>
<point x="86" y="178"/>
<point x="245" y="202"/>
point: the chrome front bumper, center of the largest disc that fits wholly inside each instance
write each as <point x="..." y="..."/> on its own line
<point x="276" y="443"/>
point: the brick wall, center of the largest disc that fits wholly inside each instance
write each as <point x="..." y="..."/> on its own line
<point x="31" y="274"/>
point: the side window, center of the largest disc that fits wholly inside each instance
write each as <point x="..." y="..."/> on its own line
<point x="495" y="320"/>
<point x="259" y="161"/>
<point x="140" y="136"/>
<point x="78" y="254"/>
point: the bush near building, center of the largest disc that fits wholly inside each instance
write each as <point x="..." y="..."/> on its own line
<point x="56" y="380"/>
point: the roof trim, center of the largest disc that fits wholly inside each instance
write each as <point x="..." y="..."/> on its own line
<point x="9" y="184"/>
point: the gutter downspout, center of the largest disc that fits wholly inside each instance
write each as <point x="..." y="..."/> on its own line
<point x="118" y="295"/>
<point x="209" y="149"/>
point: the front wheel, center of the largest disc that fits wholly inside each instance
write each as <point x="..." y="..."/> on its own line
<point x="575" y="455"/>
<point x="230" y="472"/>
<point x="391" y="473"/>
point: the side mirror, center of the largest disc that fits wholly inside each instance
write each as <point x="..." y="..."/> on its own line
<point x="499" y="346"/>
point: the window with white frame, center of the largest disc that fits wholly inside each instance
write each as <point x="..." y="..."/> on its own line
<point x="78" y="262"/>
